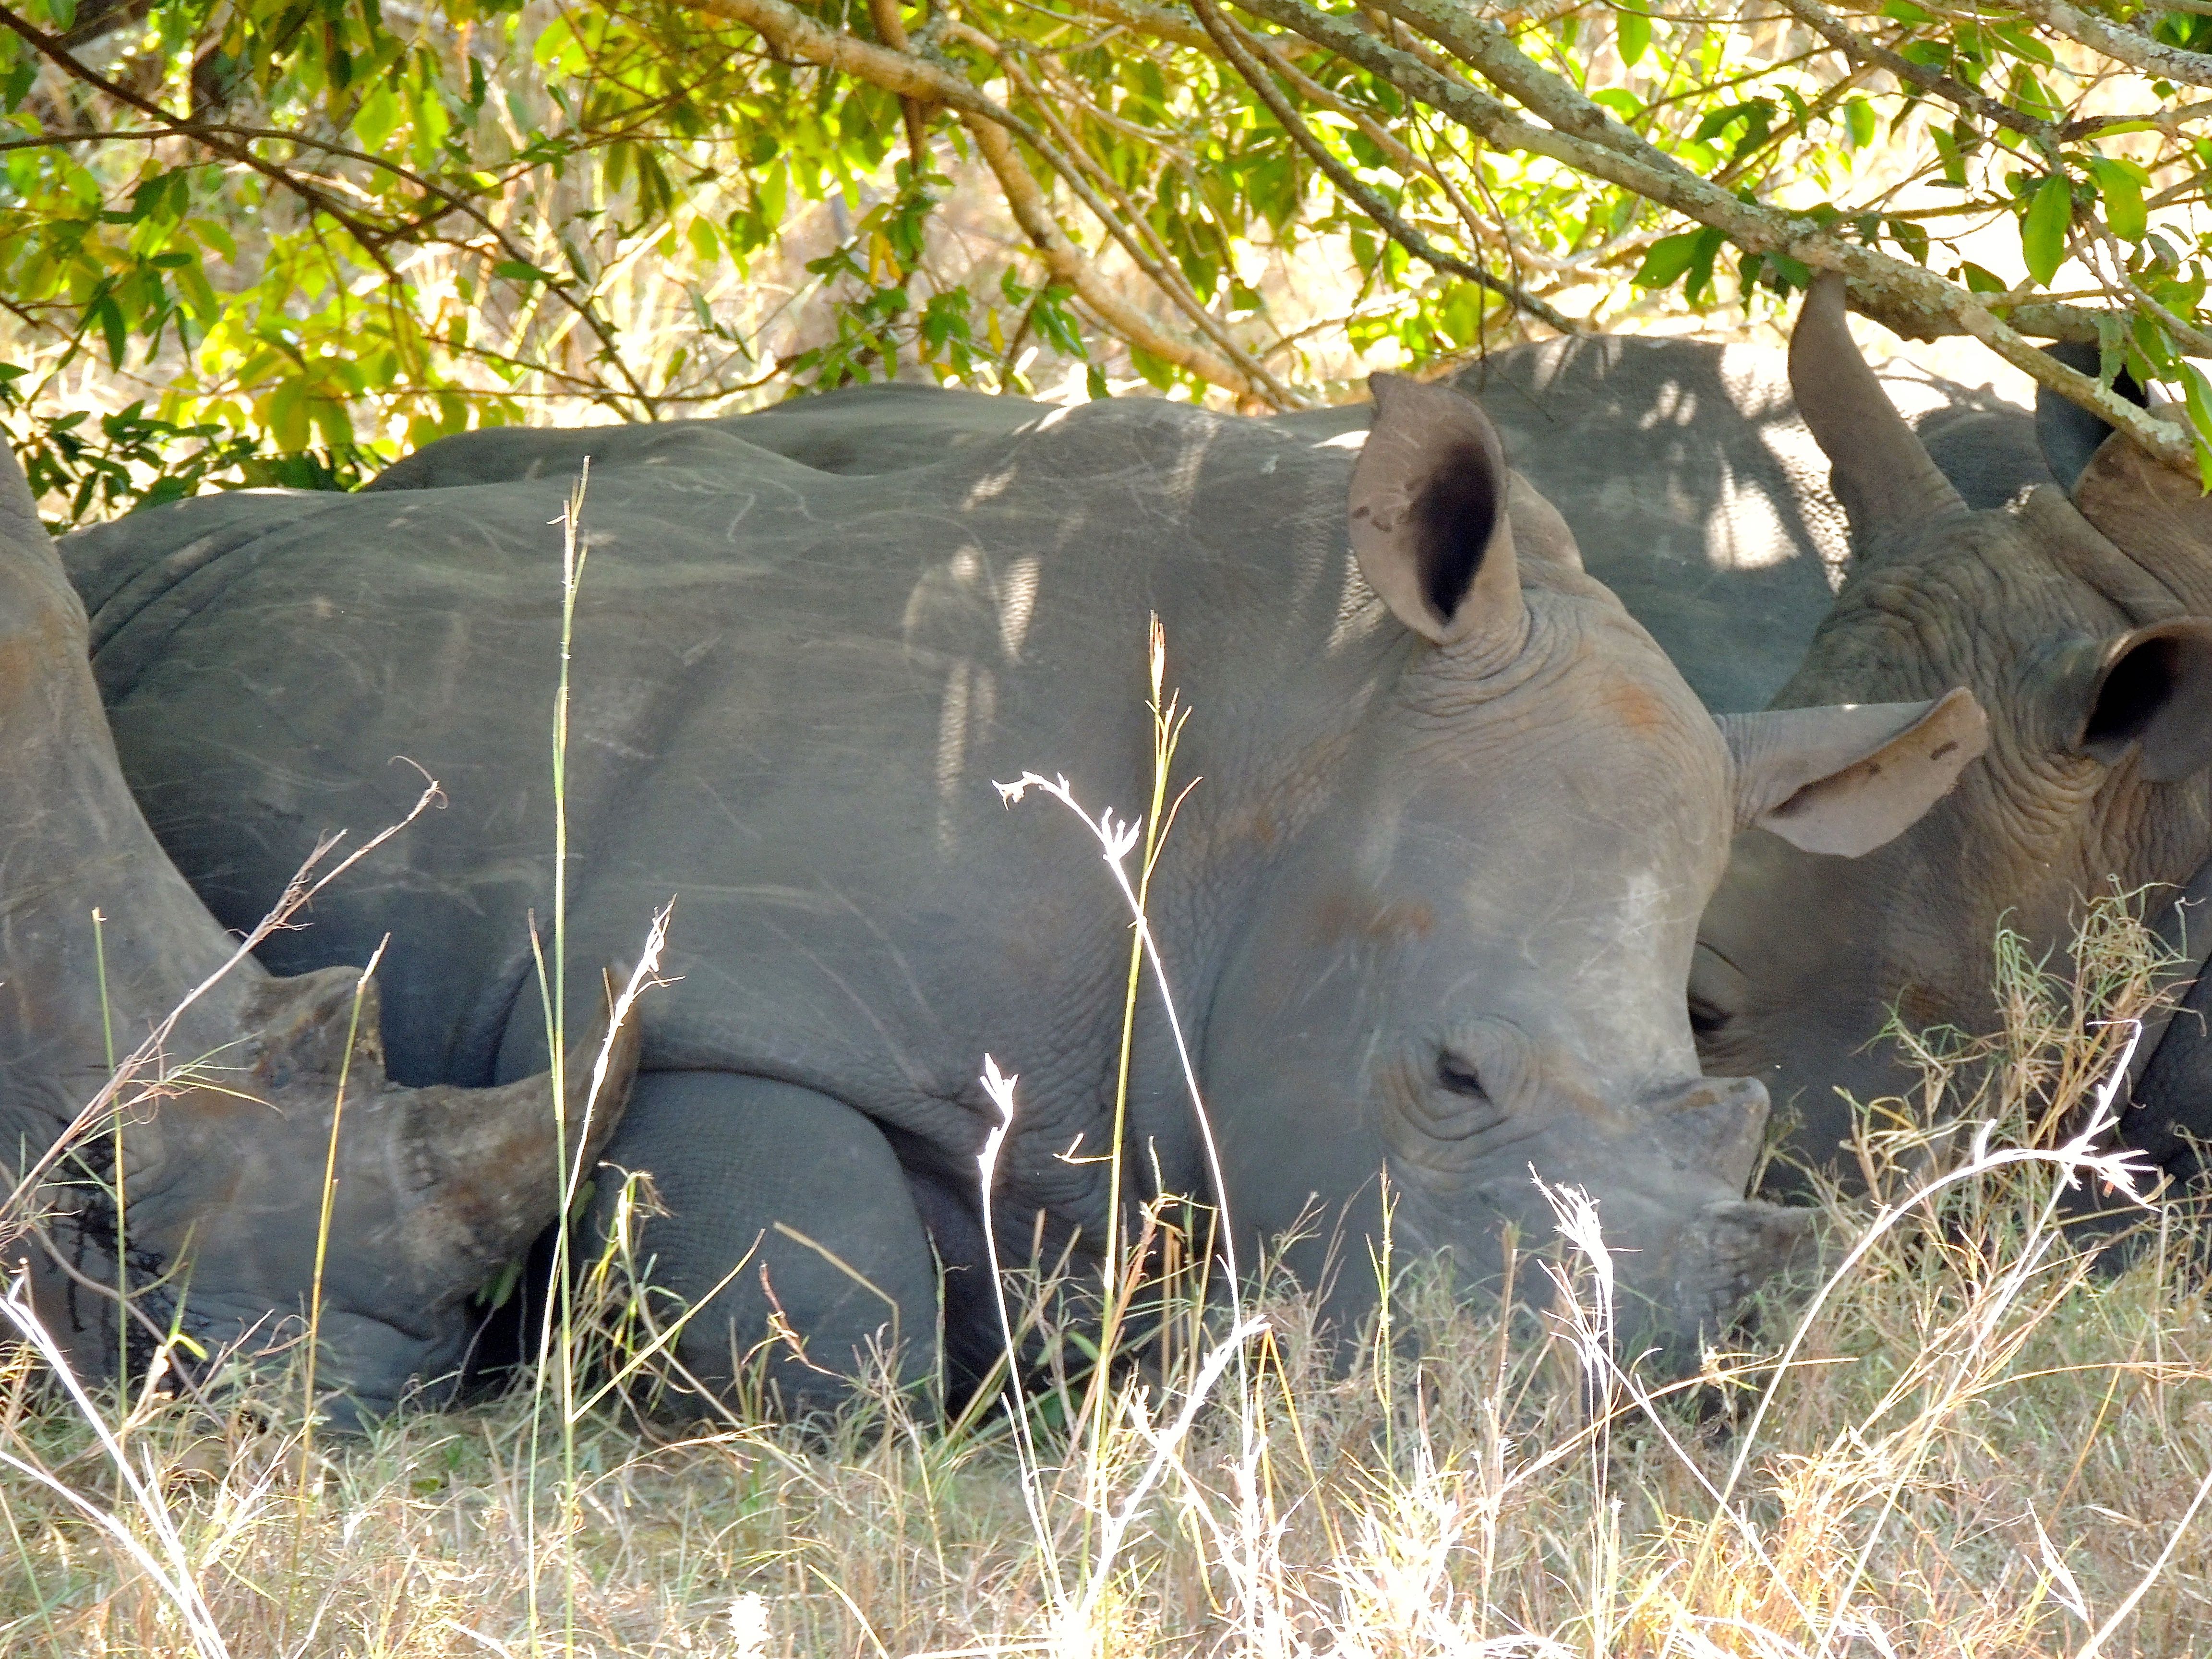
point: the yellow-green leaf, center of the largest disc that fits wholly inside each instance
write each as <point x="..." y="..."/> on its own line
<point x="2198" y="394"/>
<point x="2043" y="231"/>
<point x="1858" y="115"/>
<point x="1631" y="32"/>
<point x="1669" y="258"/>
<point x="2121" y="185"/>
<point x="379" y="115"/>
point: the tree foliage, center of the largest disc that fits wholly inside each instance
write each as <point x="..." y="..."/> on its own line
<point x="296" y="235"/>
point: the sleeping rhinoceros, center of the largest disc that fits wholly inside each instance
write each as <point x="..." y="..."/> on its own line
<point x="225" y="1127"/>
<point x="2080" y="615"/>
<point x="1428" y="909"/>
<point x="1697" y="493"/>
<point x="2033" y="557"/>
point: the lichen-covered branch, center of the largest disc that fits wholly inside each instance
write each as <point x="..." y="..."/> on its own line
<point x="1585" y="137"/>
<point x="2115" y="40"/>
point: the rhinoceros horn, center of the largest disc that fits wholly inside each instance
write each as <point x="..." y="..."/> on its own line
<point x="1882" y="474"/>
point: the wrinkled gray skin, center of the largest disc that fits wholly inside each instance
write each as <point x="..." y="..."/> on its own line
<point x="1429" y="910"/>
<point x="2078" y="616"/>
<point x="222" y="1165"/>
<point x="1698" y="492"/>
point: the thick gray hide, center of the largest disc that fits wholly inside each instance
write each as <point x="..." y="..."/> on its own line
<point x="1431" y="904"/>
<point x="1697" y="492"/>
<point x="1690" y="483"/>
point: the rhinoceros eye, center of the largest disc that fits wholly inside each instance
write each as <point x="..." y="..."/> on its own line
<point x="1706" y="1020"/>
<point x="1460" y="1077"/>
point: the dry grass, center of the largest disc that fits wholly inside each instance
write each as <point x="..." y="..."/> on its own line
<point x="1984" y="1444"/>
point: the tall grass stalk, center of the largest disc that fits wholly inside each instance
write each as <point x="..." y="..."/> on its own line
<point x="1168" y="717"/>
<point x="122" y="1202"/>
<point x="308" y="1405"/>
<point x="553" y="986"/>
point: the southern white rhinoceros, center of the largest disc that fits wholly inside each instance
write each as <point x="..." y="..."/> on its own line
<point x="2079" y="612"/>
<point x="226" y="1128"/>
<point x="1699" y="494"/>
<point x="1429" y="905"/>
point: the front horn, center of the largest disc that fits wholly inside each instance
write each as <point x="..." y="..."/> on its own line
<point x="488" y="1162"/>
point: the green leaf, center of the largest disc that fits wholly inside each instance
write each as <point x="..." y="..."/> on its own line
<point x="1700" y="277"/>
<point x="518" y="270"/>
<point x="2120" y="183"/>
<point x="1859" y="117"/>
<point x="15" y="84"/>
<point x="2196" y="393"/>
<point x="378" y="117"/>
<point x="2043" y="229"/>
<point x="1631" y="32"/>
<point x="1668" y="258"/>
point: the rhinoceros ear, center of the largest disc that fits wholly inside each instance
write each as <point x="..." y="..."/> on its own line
<point x="2148" y="690"/>
<point x="1428" y="513"/>
<point x="2068" y="434"/>
<point x="1845" y="780"/>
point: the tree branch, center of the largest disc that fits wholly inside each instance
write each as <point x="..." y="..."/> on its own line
<point x="1066" y="264"/>
<point x="1586" y="138"/>
<point x="1225" y="39"/>
<point x="2131" y="46"/>
<point x="797" y="36"/>
<point x="1156" y="22"/>
<point x="1126" y="227"/>
<point x="1860" y="50"/>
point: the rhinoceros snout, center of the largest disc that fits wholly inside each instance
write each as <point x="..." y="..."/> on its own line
<point x="1722" y="1254"/>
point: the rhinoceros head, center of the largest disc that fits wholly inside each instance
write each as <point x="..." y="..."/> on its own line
<point x="2081" y="625"/>
<point x="224" y="1137"/>
<point x="1468" y="973"/>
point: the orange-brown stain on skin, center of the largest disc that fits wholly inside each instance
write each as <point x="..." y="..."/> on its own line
<point x="1635" y="707"/>
<point x="1345" y="918"/>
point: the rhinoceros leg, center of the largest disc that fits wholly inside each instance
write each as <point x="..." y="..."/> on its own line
<point x="742" y="1164"/>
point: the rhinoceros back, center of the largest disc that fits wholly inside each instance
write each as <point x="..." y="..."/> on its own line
<point x="792" y="694"/>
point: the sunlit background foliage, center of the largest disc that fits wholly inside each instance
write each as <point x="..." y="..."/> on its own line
<point x="280" y="242"/>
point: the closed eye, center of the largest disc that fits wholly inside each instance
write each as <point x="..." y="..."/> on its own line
<point x="1460" y="1077"/>
<point x="1706" y="1020"/>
